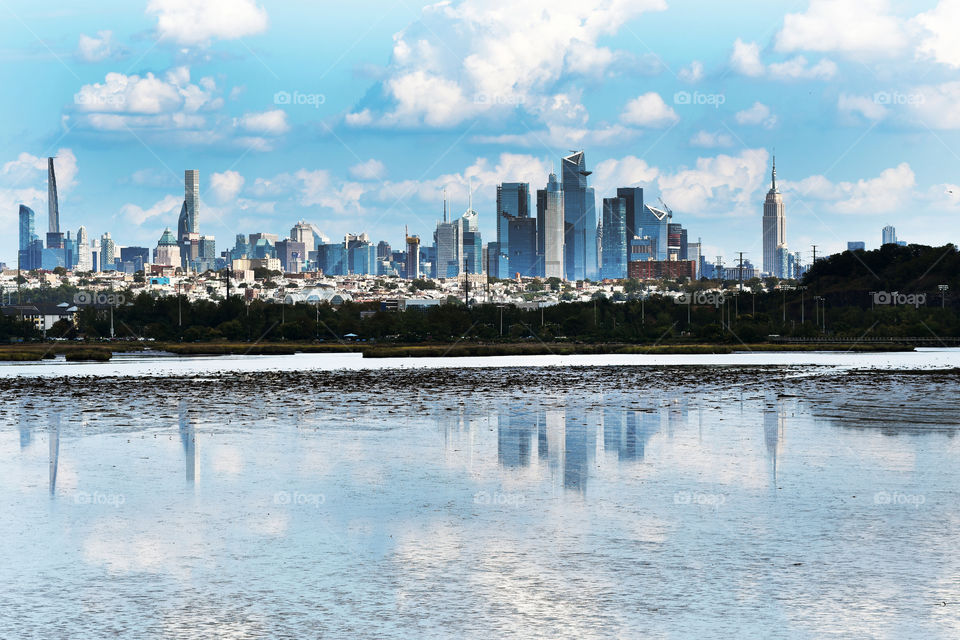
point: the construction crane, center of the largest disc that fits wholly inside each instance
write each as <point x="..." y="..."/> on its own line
<point x="665" y="207"/>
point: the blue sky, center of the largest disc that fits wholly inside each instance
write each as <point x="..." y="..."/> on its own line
<point x="356" y="117"/>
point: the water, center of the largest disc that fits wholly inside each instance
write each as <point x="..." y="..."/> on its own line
<point x="799" y="501"/>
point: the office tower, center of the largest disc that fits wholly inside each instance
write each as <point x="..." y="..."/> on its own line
<point x="84" y="260"/>
<point x="292" y="255"/>
<point x="471" y="252"/>
<point x="448" y="245"/>
<point x="541" y="230"/>
<point x="53" y="202"/>
<point x="856" y="246"/>
<point x="167" y="252"/>
<point x="412" y="271"/>
<point x="695" y="254"/>
<point x="137" y="256"/>
<point x="655" y="229"/>
<point x="384" y="252"/>
<point x="191" y="198"/>
<point x="633" y="196"/>
<point x="889" y="235"/>
<point x="331" y="258"/>
<point x="69" y="248"/>
<point x="361" y="254"/>
<point x="27" y="220"/>
<point x="580" y="216"/>
<point x="107" y="252"/>
<point x="513" y="201"/>
<point x="782" y="263"/>
<point x="774" y="224"/>
<point x="554" y="230"/>
<point x="523" y="248"/>
<point x="241" y="249"/>
<point x="613" y="239"/>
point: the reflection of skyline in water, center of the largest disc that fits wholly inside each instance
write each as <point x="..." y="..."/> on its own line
<point x="54" y="439"/>
<point x="774" y="425"/>
<point x="188" y="437"/>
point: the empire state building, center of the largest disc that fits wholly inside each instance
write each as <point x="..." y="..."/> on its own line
<point x="774" y="226"/>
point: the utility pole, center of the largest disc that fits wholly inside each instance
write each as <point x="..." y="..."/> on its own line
<point x="814" y="254"/>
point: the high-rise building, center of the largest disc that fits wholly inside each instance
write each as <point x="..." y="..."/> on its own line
<point x="655" y="227"/>
<point x="84" y="259"/>
<point x="53" y="201"/>
<point x="27" y="221"/>
<point x="695" y="255"/>
<point x="383" y="250"/>
<point x="107" y="252"/>
<point x="412" y="271"/>
<point x="889" y="235"/>
<point x="448" y="245"/>
<point x="774" y="226"/>
<point x="513" y="201"/>
<point x="554" y="230"/>
<point x="633" y="196"/>
<point x="856" y="246"/>
<point x="782" y="265"/>
<point x="523" y="248"/>
<point x="471" y="252"/>
<point x="167" y="252"/>
<point x="613" y="239"/>
<point x="191" y="197"/>
<point x="135" y="256"/>
<point x="580" y="216"/>
<point x="292" y="255"/>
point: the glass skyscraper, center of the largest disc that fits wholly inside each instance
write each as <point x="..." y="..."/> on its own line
<point x="613" y="239"/>
<point x="579" y="208"/>
<point x="523" y="248"/>
<point x="552" y="229"/>
<point x="27" y="222"/>
<point x="513" y="201"/>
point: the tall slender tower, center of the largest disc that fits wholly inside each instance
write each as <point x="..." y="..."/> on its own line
<point x="554" y="248"/>
<point x="774" y="225"/>
<point x="53" y="202"/>
<point x="191" y="197"/>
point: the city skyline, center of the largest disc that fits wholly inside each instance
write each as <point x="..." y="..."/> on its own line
<point x="353" y="150"/>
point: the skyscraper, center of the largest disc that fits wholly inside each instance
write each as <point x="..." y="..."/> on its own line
<point x="413" y="256"/>
<point x="554" y="236"/>
<point x="633" y="196"/>
<point x="448" y="245"/>
<point x="471" y="252"/>
<point x="774" y="226"/>
<point x="107" y="252"/>
<point x="513" y="201"/>
<point x="580" y="216"/>
<point x="613" y="239"/>
<point x="84" y="259"/>
<point x="27" y="220"/>
<point x="523" y="247"/>
<point x="53" y="202"/>
<point x="655" y="226"/>
<point x="889" y="235"/>
<point x="191" y="198"/>
<point x="54" y="237"/>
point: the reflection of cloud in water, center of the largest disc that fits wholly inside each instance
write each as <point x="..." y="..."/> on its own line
<point x="226" y="459"/>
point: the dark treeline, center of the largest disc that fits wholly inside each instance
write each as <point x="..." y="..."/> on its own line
<point x="837" y="298"/>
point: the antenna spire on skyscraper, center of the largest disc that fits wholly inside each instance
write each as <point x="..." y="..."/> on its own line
<point x="773" y="173"/>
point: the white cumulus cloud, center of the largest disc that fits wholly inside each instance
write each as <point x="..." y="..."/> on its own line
<point x="648" y="110"/>
<point x="192" y="22"/>
<point x="757" y="114"/>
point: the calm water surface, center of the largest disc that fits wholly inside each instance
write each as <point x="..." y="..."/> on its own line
<point x="665" y="510"/>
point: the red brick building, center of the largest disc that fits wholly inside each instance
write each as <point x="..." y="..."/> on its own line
<point x="659" y="269"/>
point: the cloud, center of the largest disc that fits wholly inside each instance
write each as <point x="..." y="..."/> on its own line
<point x="190" y="22"/>
<point x="169" y="207"/>
<point x="938" y="33"/>
<point x="272" y="123"/>
<point x="29" y="169"/>
<point x="796" y="69"/>
<point x="648" y="110"/>
<point x="226" y="186"/>
<point x="372" y="169"/>
<point x="147" y="96"/>
<point x="500" y="57"/>
<point x="709" y="140"/>
<point x="859" y="28"/>
<point x="891" y="191"/>
<point x="91" y="49"/>
<point x="867" y="107"/>
<point x="758" y="114"/>
<point x="562" y="137"/>
<point x="692" y="73"/>
<point x="718" y="185"/>
<point x="628" y="171"/>
<point x="933" y="106"/>
<point x="745" y="58"/>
